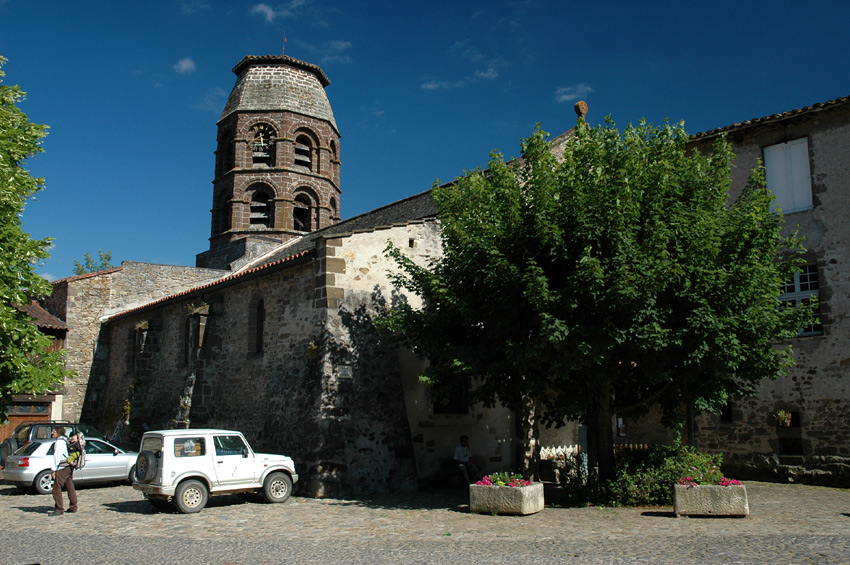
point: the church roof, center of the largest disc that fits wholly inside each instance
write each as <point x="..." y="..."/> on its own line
<point x="773" y="118"/>
<point x="272" y="83"/>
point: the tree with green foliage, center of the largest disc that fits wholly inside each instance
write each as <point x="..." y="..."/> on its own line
<point x="90" y="266"/>
<point x="26" y="363"/>
<point x="613" y="280"/>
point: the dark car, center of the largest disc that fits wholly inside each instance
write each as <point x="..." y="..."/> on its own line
<point x="31" y="431"/>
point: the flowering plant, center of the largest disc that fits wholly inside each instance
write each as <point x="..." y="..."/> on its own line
<point x="503" y="480"/>
<point x="709" y="477"/>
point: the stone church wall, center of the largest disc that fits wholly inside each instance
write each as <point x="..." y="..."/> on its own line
<point x="81" y="301"/>
<point x="419" y="443"/>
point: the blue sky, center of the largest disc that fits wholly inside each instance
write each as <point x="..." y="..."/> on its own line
<point x="420" y="91"/>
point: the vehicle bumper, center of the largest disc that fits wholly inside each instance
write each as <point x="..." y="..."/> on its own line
<point x="17" y="478"/>
<point x="154" y="490"/>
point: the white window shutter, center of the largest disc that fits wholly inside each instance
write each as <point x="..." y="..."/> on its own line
<point x="777" y="176"/>
<point x="801" y="178"/>
<point x="788" y="175"/>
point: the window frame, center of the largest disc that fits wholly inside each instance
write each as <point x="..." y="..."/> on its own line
<point x="801" y="288"/>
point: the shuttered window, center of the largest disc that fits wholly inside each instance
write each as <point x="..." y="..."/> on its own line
<point x="788" y="176"/>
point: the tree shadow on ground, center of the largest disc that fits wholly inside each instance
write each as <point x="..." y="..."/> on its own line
<point x="455" y="499"/>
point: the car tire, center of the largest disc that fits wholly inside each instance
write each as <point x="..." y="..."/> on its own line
<point x="190" y="497"/>
<point x="277" y="487"/>
<point x="145" y="467"/>
<point x="43" y="483"/>
<point x="9" y="446"/>
<point x="132" y="475"/>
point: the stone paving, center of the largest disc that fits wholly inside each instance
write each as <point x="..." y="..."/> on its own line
<point x="787" y="524"/>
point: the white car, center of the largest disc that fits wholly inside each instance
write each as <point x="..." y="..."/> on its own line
<point x="185" y="467"/>
<point x="30" y="467"/>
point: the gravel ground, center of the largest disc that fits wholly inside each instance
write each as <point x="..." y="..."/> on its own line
<point x="787" y="524"/>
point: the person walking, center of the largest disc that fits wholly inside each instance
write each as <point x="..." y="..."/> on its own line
<point x="63" y="474"/>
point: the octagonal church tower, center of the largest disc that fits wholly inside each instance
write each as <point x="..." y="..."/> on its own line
<point x="277" y="160"/>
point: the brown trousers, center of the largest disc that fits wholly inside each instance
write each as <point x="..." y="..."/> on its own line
<point x="64" y="477"/>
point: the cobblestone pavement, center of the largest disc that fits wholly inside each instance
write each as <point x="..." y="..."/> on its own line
<point x="787" y="524"/>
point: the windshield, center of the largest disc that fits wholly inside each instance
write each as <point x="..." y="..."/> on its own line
<point x="152" y="444"/>
<point x="28" y="448"/>
<point x="89" y="431"/>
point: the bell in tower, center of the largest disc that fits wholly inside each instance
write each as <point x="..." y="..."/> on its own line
<point x="277" y="161"/>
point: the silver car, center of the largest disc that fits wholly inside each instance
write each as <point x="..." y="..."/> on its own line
<point x="29" y="468"/>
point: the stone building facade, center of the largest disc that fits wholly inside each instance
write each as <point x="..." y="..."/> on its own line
<point x="81" y="301"/>
<point x="807" y="164"/>
<point x="273" y="331"/>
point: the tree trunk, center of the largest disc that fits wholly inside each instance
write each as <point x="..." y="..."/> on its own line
<point x="528" y="448"/>
<point x="599" y="438"/>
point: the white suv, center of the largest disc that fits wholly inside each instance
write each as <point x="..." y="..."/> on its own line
<point x="185" y="467"/>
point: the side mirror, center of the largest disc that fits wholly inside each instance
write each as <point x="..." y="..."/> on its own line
<point x="245" y="452"/>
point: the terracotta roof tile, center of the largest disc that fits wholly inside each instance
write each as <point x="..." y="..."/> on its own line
<point x="42" y="317"/>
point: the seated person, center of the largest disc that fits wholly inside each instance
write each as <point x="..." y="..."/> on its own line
<point x="462" y="459"/>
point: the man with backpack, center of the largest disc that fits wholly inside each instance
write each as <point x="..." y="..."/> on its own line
<point x="63" y="471"/>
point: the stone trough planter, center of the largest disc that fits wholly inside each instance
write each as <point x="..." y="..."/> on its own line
<point x="487" y="499"/>
<point x="711" y="500"/>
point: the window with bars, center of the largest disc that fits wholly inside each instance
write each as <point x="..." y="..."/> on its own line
<point x="802" y="288"/>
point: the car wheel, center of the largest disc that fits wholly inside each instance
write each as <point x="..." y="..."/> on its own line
<point x="277" y="487"/>
<point x="132" y="475"/>
<point x="145" y="467"/>
<point x="9" y="446"/>
<point x="160" y="503"/>
<point x="190" y="497"/>
<point x="43" y="483"/>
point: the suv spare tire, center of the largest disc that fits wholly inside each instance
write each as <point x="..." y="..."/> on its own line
<point x="145" y="466"/>
<point x="10" y="445"/>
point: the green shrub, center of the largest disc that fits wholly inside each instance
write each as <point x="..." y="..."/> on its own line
<point x="643" y="477"/>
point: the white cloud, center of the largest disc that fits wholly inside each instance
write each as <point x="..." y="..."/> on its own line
<point x="184" y="66"/>
<point x="212" y="101"/>
<point x="570" y="93"/>
<point x="264" y="10"/>
<point x="334" y="51"/>
<point x="489" y="73"/>
<point x="190" y="7"/>
<point x="271" y="14"/>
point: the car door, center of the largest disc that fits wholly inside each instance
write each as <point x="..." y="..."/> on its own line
<point x="101" y="463"/>
<point x="234" y="461"/>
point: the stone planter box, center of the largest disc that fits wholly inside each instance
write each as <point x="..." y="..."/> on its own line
<point x="710" y="500"/>
<point x="506" y="500"/>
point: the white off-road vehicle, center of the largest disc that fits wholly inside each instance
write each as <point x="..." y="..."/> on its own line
<point x="186" y="467"/>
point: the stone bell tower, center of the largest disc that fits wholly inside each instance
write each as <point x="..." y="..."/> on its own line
<point x="277" y="160"/>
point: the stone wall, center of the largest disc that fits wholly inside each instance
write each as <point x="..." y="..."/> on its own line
<point x="430" y="437"/>
<point x="817" y="390"/>
<point x="81" y="301"/>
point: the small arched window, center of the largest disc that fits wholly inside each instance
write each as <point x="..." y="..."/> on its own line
<point x="302" y="213"/>
<point x="334" y="213"/>
<point x="221" y="214"/>
<point x="261" y="137"/>
<point x="256" y="326"/>
<point x="304" y="152"/>
<point x="225" y="153"/>
<point x="262" y="211"/>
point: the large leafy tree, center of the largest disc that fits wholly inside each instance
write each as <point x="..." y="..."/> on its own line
<point x="618" y="278"/>
<point x="26" y="363"/>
